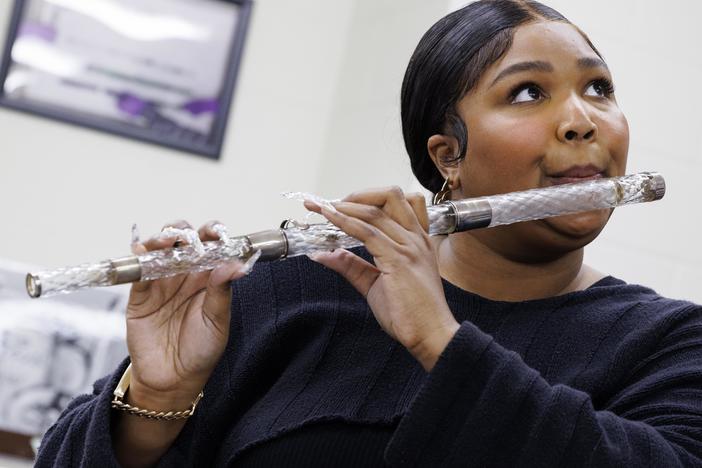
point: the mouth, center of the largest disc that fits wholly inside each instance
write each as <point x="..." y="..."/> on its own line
<point x="576" y="174"/>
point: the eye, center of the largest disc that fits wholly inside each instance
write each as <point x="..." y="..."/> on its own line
<point x="600" y="88"/>
<point x="530" y="93"/>
<point x="526" y="93"/>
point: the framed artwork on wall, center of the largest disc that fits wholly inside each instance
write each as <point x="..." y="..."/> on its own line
<point x="160" y="71"/>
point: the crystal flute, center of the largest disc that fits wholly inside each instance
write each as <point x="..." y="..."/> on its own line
<point x="294" y="239"/>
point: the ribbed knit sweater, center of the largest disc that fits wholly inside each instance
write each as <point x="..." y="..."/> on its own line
<point x="608" y="376"/>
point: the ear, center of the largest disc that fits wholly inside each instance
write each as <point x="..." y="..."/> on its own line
<point x="443" y="148"/>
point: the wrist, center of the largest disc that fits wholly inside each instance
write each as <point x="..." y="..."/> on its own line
<point x="178" y="398"/>
<point x="160" y="401"/>
<point x="429" y="349"/>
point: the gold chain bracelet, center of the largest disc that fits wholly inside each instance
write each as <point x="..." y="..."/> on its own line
<point x="119" y="404"/>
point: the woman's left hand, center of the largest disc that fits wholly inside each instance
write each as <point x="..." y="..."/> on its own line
<point x="404" y="287"/>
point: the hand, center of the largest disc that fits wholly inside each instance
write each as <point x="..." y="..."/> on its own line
<point x="404" y="287"/>
<point x="177" y="329"/>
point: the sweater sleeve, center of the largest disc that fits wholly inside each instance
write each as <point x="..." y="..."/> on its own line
<point x="81" y="436"/>
<point x="482" y="405"/>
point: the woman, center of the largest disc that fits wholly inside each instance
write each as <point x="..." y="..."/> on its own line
<point x="495" y="347"/>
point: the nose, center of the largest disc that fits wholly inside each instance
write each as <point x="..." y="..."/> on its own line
<point x="575" y="124"/>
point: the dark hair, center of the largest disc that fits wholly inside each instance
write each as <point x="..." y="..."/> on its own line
<point x="447" y="63"/>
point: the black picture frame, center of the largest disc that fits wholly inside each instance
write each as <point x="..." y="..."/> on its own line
<point x="209" y="146"/>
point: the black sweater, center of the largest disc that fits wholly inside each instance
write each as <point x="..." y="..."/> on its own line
<point x="609" y="376"/>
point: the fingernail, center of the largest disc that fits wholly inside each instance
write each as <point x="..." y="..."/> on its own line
<point x="226" y="273"/>
<point x="235" y="269"/>
<point x="328" y="210"/>
<point x="313" y="256"/>
<point x="249" y="264"/>
<point x="220" y="230"/>
<point x="135" y="234"/>
<point x="330" y="206"/>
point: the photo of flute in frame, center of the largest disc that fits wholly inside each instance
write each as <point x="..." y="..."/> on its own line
<point x="294" y="239"/>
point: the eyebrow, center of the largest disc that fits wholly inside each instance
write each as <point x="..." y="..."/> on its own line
<point x="538" y="65"/>
<point x="592" y="62"/>
<point x="522" y="67"/>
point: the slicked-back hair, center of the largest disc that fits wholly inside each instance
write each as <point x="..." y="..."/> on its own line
<point x="448" y="62"/>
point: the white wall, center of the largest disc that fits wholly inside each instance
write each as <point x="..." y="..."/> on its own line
<point x="69" y="194"/>
<point x="317" y="109"/>
<point x="363" y="144"/>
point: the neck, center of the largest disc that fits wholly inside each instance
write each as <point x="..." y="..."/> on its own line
<point x="473" y="266"/>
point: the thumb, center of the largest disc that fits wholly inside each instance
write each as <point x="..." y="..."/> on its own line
<point x="218" y="296"/>
<point x="357" y="271"/>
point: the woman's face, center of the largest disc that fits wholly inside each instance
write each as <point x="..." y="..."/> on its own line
<point x="543" y="115"/>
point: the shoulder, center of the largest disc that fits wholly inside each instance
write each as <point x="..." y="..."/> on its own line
<point x="618" y="291"/>
<point x="646" y="311"/>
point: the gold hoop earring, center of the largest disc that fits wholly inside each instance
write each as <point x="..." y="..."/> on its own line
<point x="443" y="194"/>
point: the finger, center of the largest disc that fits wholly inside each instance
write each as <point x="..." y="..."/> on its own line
<point x="316" y="207"/>
<point x="188" y="285"/>
<point x="161" y="241"/>
<point x="375" y="240"/>
<point x="227" y="272"/>
<point x="156" y="243"/>
<point x="219" y="293"/>
<point x="393" y="201"/>
<point x="140" y="286"/>
<point x="419" y="206"/>
<point x="357" y="271"/>
<point x="139" y="249"/>
<point x="177" y="224"/>
<point x="379" y="219"/>
<point x="207" y="231"/>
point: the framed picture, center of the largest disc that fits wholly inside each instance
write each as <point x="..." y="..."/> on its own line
<point x="161" y="71"/>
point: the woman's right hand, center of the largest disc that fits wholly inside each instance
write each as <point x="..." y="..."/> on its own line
<point x="177" y="329"/>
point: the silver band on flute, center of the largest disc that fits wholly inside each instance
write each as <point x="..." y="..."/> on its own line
<point x="295" y="240"/>
<point x="471" y="214"/>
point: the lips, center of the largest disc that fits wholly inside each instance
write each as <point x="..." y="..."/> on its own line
<point x="576" y="174"/>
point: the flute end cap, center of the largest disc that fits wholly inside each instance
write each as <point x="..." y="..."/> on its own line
<point x="657" y="185"/>
<point x="33" y="285"/>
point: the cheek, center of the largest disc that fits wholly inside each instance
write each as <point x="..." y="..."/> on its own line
<point x="623" y="142"/>
<point x="504" y="154"/>
<point x="616" y="136"/>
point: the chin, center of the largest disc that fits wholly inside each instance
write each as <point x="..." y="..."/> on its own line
<point x="544" y="240"/>
<point x="580" y="226"/>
